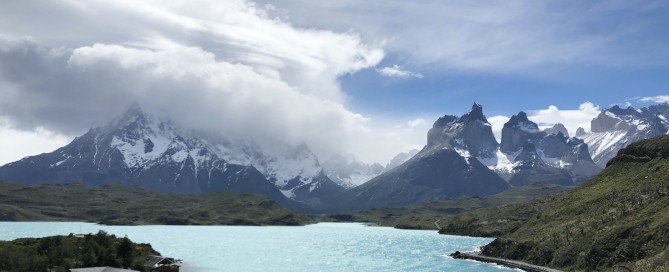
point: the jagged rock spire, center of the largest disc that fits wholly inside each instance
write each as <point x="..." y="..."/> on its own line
<point x="475" y="114"/>
<point x="132" y="114"/>
<point x="557" y="128"/>
<point x="521" y="117"/>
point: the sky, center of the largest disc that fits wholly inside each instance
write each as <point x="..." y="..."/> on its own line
<point x="366" y="78"/>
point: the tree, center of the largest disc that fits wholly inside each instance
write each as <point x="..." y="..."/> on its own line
<point x="88" y="258"/>
<point x="125" y="251"/>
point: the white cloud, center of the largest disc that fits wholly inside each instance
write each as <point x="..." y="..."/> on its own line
<point x="16" y="144"/>
<point x="249" y="68"/>
<point x="237" y="31"/>
<point x="397" y="71"/>
<point x="401" y="137"/>
<point x="223" y="65"/>
<point x="656" y="99"/>
<point x="418" y="122"/>
<point x="571" y="119"/>
<point x="497" y="122"/>
<point x="493" y="36"/>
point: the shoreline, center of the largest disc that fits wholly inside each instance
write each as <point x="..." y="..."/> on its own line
<point x="476" y="256"/>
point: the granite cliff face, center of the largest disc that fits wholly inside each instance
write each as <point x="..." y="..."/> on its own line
<point x="469" y="135"/>
<point x="518" y="131"/>
<point x="528" y="154"/>
<point x="558" y="128"/>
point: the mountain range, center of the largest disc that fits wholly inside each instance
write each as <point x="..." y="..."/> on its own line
<point x="615" y="128"/>
<point x="461" y="158"/>
<point x="145" y="151"/>
<point x="527" y="154"/>
<point x="349" y="172"/>
<point x="449" y="166"/>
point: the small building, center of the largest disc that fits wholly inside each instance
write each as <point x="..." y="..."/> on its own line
<point x="101" y="269"/>
<point x="162" y="264"/>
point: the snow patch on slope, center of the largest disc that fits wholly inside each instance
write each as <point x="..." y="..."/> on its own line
<point x="600" y="142"/>
<point x="500" y="161"/>
<point x="556" y="162"/>
<point x="285" y="168"/>
<point x="528" y="127"/>
<point x="463" y="153"/>
<point x="233" y="156"/>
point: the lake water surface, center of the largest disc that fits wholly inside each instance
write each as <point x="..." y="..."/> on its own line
<point x="319" y="247"/>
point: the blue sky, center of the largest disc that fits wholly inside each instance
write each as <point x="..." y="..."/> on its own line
<point x="614" y="52"/>
<point x="500" y="95"/>
<point x="349" y="76"/>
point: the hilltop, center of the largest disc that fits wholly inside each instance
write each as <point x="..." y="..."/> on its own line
<point x="621" y="216"/>
<point x="424" y="216"/>
<point x="120" y="205"/>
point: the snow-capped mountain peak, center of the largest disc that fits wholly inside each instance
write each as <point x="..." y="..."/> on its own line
<point x="401" y="158"/>
<point x="154" y="153"/>
<point x="615" y="128"/>
<point x="348" y="172"/>
<point x="557" y="128"/>
<point x="527" y="153"/>
<point x="469" y="134"/>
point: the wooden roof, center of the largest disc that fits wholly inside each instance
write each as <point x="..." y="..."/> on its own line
<point x="101" y="269"/>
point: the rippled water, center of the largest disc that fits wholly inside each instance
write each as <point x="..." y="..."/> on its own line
<point x="319" y="247"/>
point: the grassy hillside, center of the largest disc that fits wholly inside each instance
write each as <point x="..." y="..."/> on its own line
<point x="492" y="221"/>
<point x="116" y="205"/>
<point x="59" y="253"/>
<point x="424" y="216"/>
<point x="619" y="217"/>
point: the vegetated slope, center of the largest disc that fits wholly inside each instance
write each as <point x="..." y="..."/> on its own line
<point x="117" y="204"/>
<point x="424" y="216"/>
<point x="59" y="253"/>
<point x="620" y="216"/>
<point x="492" y="221"/>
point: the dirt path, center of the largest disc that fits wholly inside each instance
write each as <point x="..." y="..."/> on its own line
<point x="504" y="262"/>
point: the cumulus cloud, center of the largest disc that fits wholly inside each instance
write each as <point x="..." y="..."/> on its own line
<point x="223" y="65"/>
<point x="655" y="99"/>
<point x="397" y="71"/>
<point x="571" y="119"/>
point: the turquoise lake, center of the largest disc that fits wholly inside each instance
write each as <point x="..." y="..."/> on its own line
<point x="319" y="247"/>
